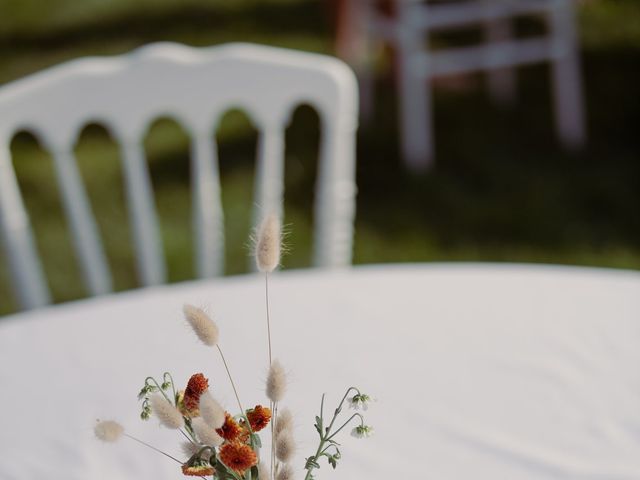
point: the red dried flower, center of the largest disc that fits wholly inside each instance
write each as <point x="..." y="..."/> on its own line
<point x="197" y="385"/>
<point x="238" y="456"/>
<point x="230" y="430"/>
<point x="259" y="417"/>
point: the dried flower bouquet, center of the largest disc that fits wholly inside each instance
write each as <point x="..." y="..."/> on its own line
<point x="223" y="446"/>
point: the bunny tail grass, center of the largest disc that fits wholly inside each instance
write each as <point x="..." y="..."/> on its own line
<point x="108" y="430"/>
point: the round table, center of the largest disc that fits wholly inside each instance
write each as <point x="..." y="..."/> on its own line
<point x="480" y="371"/>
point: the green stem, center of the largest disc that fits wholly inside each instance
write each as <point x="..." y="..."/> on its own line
<point x="266" y="295"/>
<point x="228" y="470"/>
<point x="233" y="385"/>
<point x="192" y="436"/>
<point x="173" y="388"/>
<point x="327" y="448"/>
<point x="315" y="459"/>
<point x="152" y="448"/>
<point x="339" y="409"/>
<point x="272" y="404"/>
<point x="173" y="402"/>
<point x="346" y="423"/>
<point x="325" y="433"/>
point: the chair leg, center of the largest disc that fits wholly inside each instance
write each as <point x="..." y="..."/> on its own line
<point x="415" y="118"/>
<point x="27" y="276"/>
<point x="334" y="209"/>
<point x="501" y="83"/>
<point x="363" y="62"/>
<point x="355" y="47"/>
<point x="366" y="86"/>
<point x="566" y="77"/>
<point x="415" y="99"/>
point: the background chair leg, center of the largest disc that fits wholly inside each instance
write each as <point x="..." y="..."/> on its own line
<point x="415" y="118"/>
<point x="414" y="90"/>
<point x="566" y="77"/>
<point x="354" y="24"/>
<point x="501" y="83"/>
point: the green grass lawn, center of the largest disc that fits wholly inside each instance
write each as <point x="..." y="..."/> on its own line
<point x="503" y="189"/>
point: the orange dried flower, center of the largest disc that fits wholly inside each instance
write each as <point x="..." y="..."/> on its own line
<point x="244" y="435"/>
<point x="238" y="456"/>
<point x="181" y="406"/>
<point x="197" y="470"/>
<point x="259" y="417"/>
<point x="230" y="430"/>
<point x="197" y="385"/>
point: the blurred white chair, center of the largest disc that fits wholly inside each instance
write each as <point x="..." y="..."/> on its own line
<point x="195" y="86"/>
<point x="408" y="32"/>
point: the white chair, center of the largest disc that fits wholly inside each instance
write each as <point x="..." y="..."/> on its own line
<point x="195" y="86"/>
<point x="408" y="32"/>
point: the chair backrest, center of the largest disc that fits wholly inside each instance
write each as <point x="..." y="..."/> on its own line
<point x="408" y="30"/>
<point x="195" y="86"/>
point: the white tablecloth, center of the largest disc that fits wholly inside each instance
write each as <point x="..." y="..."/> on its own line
<point x="481" y="371"/>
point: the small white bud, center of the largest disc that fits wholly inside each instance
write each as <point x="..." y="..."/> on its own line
<point x="362" y="431"/>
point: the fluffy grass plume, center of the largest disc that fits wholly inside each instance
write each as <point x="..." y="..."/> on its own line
<point x="284" y="421"/>
<point x="285" y="446"/>
<point x="108" y="431"/>
<point x="206" y="434"/>
<point x="168" y="415"/>
<point x="276" y="382"/>
<point x="285" y="472"/>
<point x="263" y="471"/>
<point x="202" y="324"/>
<point x="211" y="411"/>
<point x="189" y="448"/>
<point x="268" y="244"/>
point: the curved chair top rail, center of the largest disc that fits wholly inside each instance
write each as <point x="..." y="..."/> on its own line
<point x="195" y="86"/>
<point x="126" y="93"/>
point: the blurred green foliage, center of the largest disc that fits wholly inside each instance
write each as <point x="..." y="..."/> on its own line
<point x="503" y="189"/>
